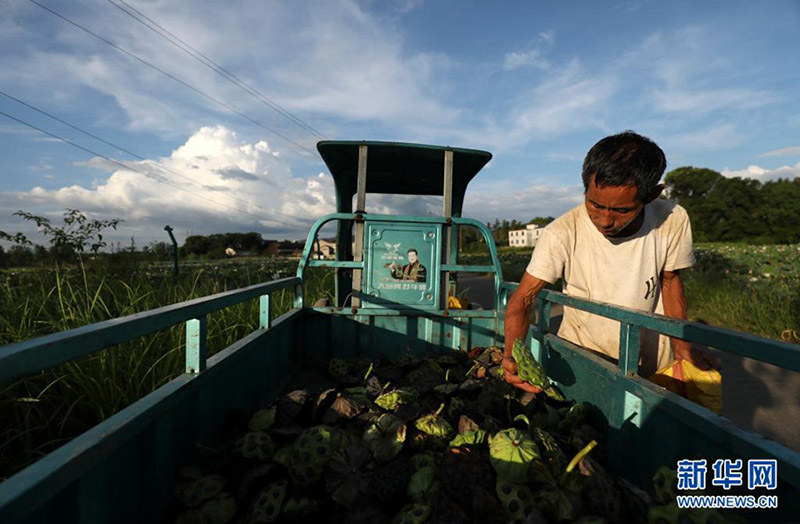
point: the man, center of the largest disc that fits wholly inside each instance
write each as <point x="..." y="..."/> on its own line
<point x="623" y="246"/>
<point x="413" y="271"/>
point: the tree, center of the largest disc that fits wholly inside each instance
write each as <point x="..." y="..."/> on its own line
<point x="72" y="239"/>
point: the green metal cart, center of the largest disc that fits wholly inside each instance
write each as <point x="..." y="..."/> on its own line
<point x="124" y="469"/>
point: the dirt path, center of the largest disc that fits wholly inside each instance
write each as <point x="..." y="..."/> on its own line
<point x="755" y="395"/>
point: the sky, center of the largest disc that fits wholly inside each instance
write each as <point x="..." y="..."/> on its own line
<point x="536" y="83"/>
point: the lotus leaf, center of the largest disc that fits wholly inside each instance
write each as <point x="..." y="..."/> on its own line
<point x="338" y="368"/>
<point x="392" y="399"/>
<point x="385" y="437"/>
<point x="200" y="490"/>
<point x="556" y="505"/>
<point x="434" y="425"/>
<point x="290" y="406"/>
<point x="342" y="408"/>
<point x="345" y="477"/>
<point x="267" y="505"/>
<point x="511" y="452"/>
<point x="469" y="438"/>
<point x="421" y="484"/>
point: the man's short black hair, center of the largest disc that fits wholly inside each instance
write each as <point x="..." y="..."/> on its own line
<point x="625" y="159"/>
<point x="414" y="250"/>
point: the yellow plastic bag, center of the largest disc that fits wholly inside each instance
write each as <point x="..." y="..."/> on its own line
<point x="457" y="303"/>
<point x="687" y="380"/>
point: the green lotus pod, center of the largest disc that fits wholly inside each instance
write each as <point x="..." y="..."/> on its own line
<point x="422" y="460"/>
<point x="666" y="514"/>
<point x="283" y="455"/>
<point x="591" y="519"/>
<point x="263" y="420"/>
<point x="338" y="368"/>
<point x="705" y="516"/>
<point x="310" y="454"/>
<point x="385" y="437"/>
<point x="200" y="490"/>
<point x="469" y="438"/>
<point x="527" y="368"/>
<point x="267" y="505"/>
<point x="511" y="452"/>
<point x="219" y="510"/>
<point x="517" y="499"/>
<point x="434" y="425"/>
<point x="389" y="401"/>
<point x="421" y="484"/>
<point x="298" y="508"/>
<point x="416" y="513"/>
<point x="256" y="445"/>
<point x="665" y="485"/>
<point x="553" y="392"/>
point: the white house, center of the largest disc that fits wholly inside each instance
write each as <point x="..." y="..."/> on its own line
<point x="524" y="237"/>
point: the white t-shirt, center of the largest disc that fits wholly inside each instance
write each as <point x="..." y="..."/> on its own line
<point x="621" y="271"/>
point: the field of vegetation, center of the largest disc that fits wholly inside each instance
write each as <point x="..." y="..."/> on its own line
<point x="748" y="288"/>
<point x="41" y="412"/>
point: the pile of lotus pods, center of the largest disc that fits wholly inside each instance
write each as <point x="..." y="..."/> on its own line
<point x="442" y="439"/>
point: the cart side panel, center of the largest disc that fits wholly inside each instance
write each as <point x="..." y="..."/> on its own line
<point x="647" y="426"/>
<point x="392" y="336"/>
<point x="123" y="470"/>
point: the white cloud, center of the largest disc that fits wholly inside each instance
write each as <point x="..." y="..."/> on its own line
<point x="763" y="174"/>
<point x="719" y="137"/>
<point x="522" y="203"/>
<point x="532" y="57"/>
<point x="786" y="151"/>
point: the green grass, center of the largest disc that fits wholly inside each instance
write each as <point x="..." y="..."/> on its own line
<point x="41" y="412"/>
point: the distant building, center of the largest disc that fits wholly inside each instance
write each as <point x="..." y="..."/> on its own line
<point x="324" y="249"/>
<point x="524" y="237"/>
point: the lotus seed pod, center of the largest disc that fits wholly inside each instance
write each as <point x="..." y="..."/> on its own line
<point x="256" y="445"/>
<point x="267" y="505"/>
<point x="338" y="368"/>
<point x="310" y="454"/>
<point x="666" y="514"/>
<point x="413" y="514"/>
<point x="528" y="369"/>
<point x="263" y="420"/>
<point x="284" y="455"/>
<point x="517" y="499"/>
<point x="665" y="485"/>
<point x="200" y="490"/>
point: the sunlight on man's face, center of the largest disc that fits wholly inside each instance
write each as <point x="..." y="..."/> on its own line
<point x="612" y="208"/>
<point x="412" y="257"/>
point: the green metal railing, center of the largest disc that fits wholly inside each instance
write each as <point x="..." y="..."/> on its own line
<point x="495" y="269"/>
<point x="31" y="356"/>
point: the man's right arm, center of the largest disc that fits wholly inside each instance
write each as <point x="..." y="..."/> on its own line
<point x="518" y="315"/>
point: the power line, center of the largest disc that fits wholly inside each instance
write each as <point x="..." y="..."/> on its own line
<point x="87" y="133"/>
<point x="148" y="175"/>
<point x="172" y="77"/>
<point x="176" y="41"/>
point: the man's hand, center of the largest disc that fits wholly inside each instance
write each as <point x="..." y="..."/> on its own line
<point x="510" y="372"/>
<point x="683" y="350"/>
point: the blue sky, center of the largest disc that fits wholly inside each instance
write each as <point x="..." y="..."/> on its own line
<point x="535" y="83"/>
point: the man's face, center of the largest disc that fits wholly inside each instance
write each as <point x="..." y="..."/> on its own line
<point x="612" y="209"/>
<point x="412" y="257"/>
